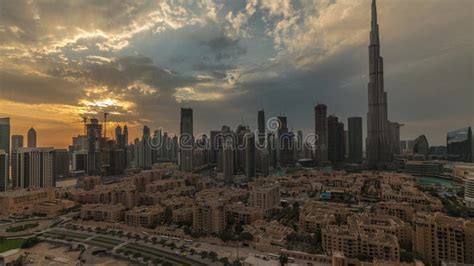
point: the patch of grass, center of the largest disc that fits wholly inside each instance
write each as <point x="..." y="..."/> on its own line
<point x="7" y="244"/>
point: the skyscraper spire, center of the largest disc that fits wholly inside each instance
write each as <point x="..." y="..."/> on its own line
<point x="374" y="33"/>
<point x="374" y="13"/>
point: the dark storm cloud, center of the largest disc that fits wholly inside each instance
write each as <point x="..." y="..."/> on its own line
<point x="32" y="88"/>
<point x="224" y="47"/>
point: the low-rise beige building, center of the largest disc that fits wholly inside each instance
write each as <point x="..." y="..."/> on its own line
<point x="89" y="182"/>
<point x="402" y="210"/>
<point x="23" y="201"/>
<point x="352" y="243"/>
<point x="209" y="216"/>
<point x="146" y="216"/>
<point x="265" y="196"/>
<point x="53" y="208"/>
<point x="103" y="212"/>
<point x="439" y="238"/>
<point x="268" y="236"/>
<point x="242" y="214"/>
<point x="182" y="215"/>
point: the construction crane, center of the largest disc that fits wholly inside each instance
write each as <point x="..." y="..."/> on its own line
<point x="105" y="124"/>
<point x="84" y="121"/>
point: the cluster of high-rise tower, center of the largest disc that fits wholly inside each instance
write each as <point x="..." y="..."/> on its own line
<point x="231" y="152"/>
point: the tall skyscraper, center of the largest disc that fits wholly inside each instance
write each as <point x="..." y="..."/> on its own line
<point x="355" y="139"/>
<point x="125" y="135"/>
<point x="226" y="153"/>
<point x="285" y="143"/>
<point x="17" y="142"/>
<point x="94" y="147"/>
<point x="261" y="126"/>
<point x="5" y="134"/>
<point x="321" y="131"/>
<point x="378" y="126"/>
<point x="395" y="137"/>
<point x="214" y="145"/>
<point x="33" y="167"/>
<point x="32" y="138"/>
<point x="119" y="136"/>
<point x="60" y="164"/>
<point x="3" y="171"/>
<point x="143" y="155"/>
<point x="262" y="155"/>
<point x="186" y="140"/>
<point x="250" y="168"/>
<point x="239" y="159"/>
<point x="460" y="145"/>
<point x="335" y="139"/>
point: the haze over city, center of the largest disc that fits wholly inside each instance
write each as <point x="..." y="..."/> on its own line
<point x="226" y="60"/>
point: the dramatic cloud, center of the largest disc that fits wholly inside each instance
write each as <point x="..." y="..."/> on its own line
<point x="143" y="60"/>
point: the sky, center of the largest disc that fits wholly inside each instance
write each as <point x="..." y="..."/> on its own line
<point x="142" y="61"/>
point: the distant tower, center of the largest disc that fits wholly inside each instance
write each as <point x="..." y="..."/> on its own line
<point x="118" y="133"/>
<point x="285" y="143"/>
<point x="250" y="166"/>
<point x="94" y="147"/>
<point x="17" y="142"/>
<point x="378" y="126"/>
<point x="227" y="145"/>
<point x="144" y="150"/>
<point x="5" y="134"/>
<point x="355" y="139"/>
<point x="335" y="139"/>
<point x="3" y="171"/>
<point x="261" y="126"/>
<point x="125" y="135"/>
<point x="33" y="168"/>
<point x="321" y="131"/>
<point x="186" y="140"/>
<point x="32" y="138"/>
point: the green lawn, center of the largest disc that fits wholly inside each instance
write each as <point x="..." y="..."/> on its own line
<point x="7" y="244"/>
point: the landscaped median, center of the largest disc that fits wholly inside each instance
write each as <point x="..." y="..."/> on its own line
<point x="22" y="227"/>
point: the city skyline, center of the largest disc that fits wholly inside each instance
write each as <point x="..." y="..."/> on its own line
<point x="236" y="59"/>
<point x="256" y="132"/>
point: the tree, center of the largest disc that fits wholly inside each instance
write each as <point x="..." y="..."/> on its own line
<point x="225" y="260"/>
<point x="283" y="260"/>
<point x="212" y="255"/>
<point x="364" y="257"/>
<point x="225" y="235"/>
<point x="238" y="228"/>
<point x="30" y="242"/>
<point x="246" y="236"/>
<point x="406" y="256"/>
